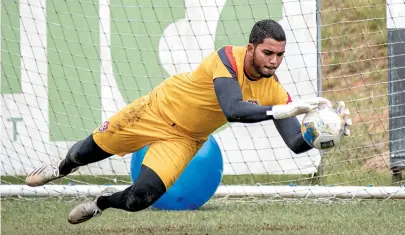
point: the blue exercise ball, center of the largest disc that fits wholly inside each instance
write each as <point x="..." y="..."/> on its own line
<point x="196" y="185"/>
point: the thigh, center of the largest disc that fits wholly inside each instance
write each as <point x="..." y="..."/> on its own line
<point x="133" y="127"/>
<point x="169" y="158"/>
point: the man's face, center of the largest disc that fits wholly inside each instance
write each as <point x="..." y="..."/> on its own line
<point x="267" y="56"/>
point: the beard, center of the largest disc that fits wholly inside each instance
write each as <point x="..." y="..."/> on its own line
<point x="259" y="70"/>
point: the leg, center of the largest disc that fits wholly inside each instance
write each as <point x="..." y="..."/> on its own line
<point x="162" y="165"/>
<point x="81" y="153"/>
<point x="147" y="189"/>
<point x="115" y="136"/>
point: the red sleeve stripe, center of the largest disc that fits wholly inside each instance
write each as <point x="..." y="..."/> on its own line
<point x="226" y="56"/>
<point x="289" y="100"/>
<point x="231" y="58"/>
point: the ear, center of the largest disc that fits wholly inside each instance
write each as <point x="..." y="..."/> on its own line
<point x="250" y="49"/>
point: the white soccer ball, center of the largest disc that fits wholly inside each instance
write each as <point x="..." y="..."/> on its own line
<point x="322" y="128"/>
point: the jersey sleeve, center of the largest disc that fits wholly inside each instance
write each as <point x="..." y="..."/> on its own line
<point x="281" y="95"/>
<point x="223" y="64"/>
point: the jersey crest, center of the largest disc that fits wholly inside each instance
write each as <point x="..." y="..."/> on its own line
<point x="254" y="101"/>
<point x="103" y="127"/>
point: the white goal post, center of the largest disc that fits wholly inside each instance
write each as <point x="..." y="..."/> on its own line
<point x="67" y="67"/>
<point x="345" y="192"/>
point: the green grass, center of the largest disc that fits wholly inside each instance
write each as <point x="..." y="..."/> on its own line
<point x="227" y="216"/>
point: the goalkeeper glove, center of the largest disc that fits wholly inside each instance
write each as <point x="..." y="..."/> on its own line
<point x="344" y="113"/>
<point x="298" y="107"/>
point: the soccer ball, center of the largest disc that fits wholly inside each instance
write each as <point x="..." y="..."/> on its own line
<point x="322" y="128"/>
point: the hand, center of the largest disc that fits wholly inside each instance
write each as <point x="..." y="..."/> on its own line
<point x="345" y="114"/>
<point x="299" y="107"/>
<point x="317" y="102"/>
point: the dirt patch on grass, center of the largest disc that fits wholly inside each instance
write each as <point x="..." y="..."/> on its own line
<point x="378" y="162"/>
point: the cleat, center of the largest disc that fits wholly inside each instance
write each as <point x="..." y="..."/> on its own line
<point x="44" y="175"/>
<point x="88" y="210"/>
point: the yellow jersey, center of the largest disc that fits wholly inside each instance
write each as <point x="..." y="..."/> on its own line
<point x="188" y="100"/>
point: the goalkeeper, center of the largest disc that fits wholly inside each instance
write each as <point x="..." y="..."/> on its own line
<point x="232" y="84"/>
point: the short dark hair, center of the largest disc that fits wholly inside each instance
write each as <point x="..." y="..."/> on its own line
<point x="266" y="29"/>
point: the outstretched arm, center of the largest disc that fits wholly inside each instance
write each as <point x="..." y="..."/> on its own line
<point x="290" y="131"/>
<point x="235" y="109"/>
<point x="230" y="99"/>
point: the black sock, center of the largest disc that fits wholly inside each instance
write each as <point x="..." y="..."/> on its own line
<point x="66" y="166"/>
<point x="82" y="153"/>
<point x="147" y="189"/>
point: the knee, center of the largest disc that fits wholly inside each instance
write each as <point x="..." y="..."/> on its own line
<point x="141" y="197"/>
<point x="74" y="152"/>
<point x="86" y="151"/>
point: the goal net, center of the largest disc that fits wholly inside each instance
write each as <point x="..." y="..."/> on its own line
<point x="67" y="66"/>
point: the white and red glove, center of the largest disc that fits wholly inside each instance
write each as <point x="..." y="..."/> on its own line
<point x="298" y="107"/>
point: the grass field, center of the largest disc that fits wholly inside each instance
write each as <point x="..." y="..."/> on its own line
<point x="219" y="216"/>
<point x="354" y="69"/>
